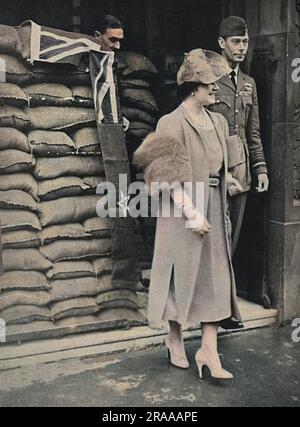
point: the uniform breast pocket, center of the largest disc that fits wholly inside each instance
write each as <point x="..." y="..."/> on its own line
<point x="223" y="104"/>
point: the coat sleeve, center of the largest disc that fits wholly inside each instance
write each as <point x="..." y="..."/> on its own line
<point x="256" y="151"/>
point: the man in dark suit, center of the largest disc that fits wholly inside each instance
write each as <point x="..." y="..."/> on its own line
<point x="237" y="100"/>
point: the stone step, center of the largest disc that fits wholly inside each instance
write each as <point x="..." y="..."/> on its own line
<point x="100" y="343"/>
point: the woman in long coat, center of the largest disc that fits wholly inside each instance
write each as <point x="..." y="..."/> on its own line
<point x="192" y="279"/>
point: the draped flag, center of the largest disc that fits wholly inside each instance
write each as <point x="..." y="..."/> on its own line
<point x="56" y="46"/>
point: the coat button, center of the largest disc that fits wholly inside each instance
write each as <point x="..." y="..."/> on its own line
<point x="236" y="111"/>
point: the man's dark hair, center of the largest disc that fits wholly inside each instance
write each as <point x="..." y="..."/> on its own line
<point x="109" y="21"/>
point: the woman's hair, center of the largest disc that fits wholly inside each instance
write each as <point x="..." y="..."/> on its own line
<point x="186" y="89"/>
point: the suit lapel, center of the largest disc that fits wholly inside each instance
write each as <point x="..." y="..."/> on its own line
<point x="218" y="130"/>
<point x="189" y="119"/>
<point x="226" y="80"/>
<point x="241" y="81"/>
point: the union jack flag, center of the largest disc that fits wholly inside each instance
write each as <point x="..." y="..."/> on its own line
<point x="57" y="46"/>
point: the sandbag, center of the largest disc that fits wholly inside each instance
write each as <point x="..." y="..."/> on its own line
<point x="15" y="70"/>
<point x="49" y="168"/>
<point x="23" y="281"/>
<point x="74" y="322"/>
<point x="12" y="219"/>
<point x="50" y="143"/>
<point x="14" y="117"/>
<point x="104" y="283"/>
<point x="121" y="317"/>
<point x="135" y="115"/>
<point x="68" y="210"/>
<point x="60" y="73"/>
<point x="63" y="290"/>
<point x="98" y="227"/>
<point x="118" y="299"/>
<point x="20" y="239"/>
<point x="24" y="314"/>
<point x="93" y="181"/>
<point x="68" y="250"/>
<point x="63" y="232"/>
<point x="49" y="94"/>
<point x="20" y="181"/>
<point x="15" y="161"/>
<point x="61" y="118"/>
<point x="70" y="270"/>
<point x="141" y="99"/>
<point x="102" y="266"/>
<point x="73" y="307"/>
<point x="25" y="260"/>
<point x="36" y="298"/>
<point x="138" y="66"/>
<point x="17" y="199"/>
<point x="136" y="127"/>
<point x="83" y="96"/>
<point x="140" y="134"/>
<point x="134" y="84"/>
<point x="13" y="139"/>
<point x="87" y="140"/>
<point x="11" y="94"/>
<point x="58" y="188"/>
<point x="10" y="42"/>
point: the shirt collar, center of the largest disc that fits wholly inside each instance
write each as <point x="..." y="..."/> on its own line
<point x="236" y="69"/>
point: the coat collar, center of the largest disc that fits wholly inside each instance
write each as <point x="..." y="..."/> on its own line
<point x="217" y="127"/>
<point x="241" y="81"/>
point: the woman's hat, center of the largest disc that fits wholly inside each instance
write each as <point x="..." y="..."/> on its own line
<point x="202" y="66"/>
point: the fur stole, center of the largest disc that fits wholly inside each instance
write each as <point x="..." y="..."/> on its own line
<point x="164" y="160"/>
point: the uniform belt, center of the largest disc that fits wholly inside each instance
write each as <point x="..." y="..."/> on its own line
<point x="214" y="182"/>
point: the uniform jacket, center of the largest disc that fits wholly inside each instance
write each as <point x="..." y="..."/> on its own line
<point x="240" y="108"/>
<point x="176" y="153"/>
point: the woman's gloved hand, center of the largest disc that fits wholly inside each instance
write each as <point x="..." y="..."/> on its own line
<point x="233" y="186"/>
<point x="195" y="219"/>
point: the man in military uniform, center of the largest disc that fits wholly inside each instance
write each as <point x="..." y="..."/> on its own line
<point x="237" y="100"/>
<point x="111" y="32"/>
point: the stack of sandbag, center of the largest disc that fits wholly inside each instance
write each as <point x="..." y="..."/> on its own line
<point x="57" y="251"/>
<point x="137" y="82"/>
<point x="24" y="288"/>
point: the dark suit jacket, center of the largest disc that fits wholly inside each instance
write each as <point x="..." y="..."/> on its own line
<point x="240" y="108"/>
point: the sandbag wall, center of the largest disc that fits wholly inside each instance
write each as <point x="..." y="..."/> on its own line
<point x="56" y="250"/>
<point x="138" y="81"/>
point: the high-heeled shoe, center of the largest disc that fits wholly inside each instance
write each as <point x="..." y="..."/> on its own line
<point x="215" y="368"/>
<point x="175" y="359"/>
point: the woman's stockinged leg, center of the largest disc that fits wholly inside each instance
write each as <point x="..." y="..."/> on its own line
<point x="208" y="355"/>
<point x="175" y="346"/>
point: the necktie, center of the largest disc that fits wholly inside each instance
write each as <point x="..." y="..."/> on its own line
<point x="232" y="76"/>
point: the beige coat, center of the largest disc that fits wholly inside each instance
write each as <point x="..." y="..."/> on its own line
<point x="169" y="155"/>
